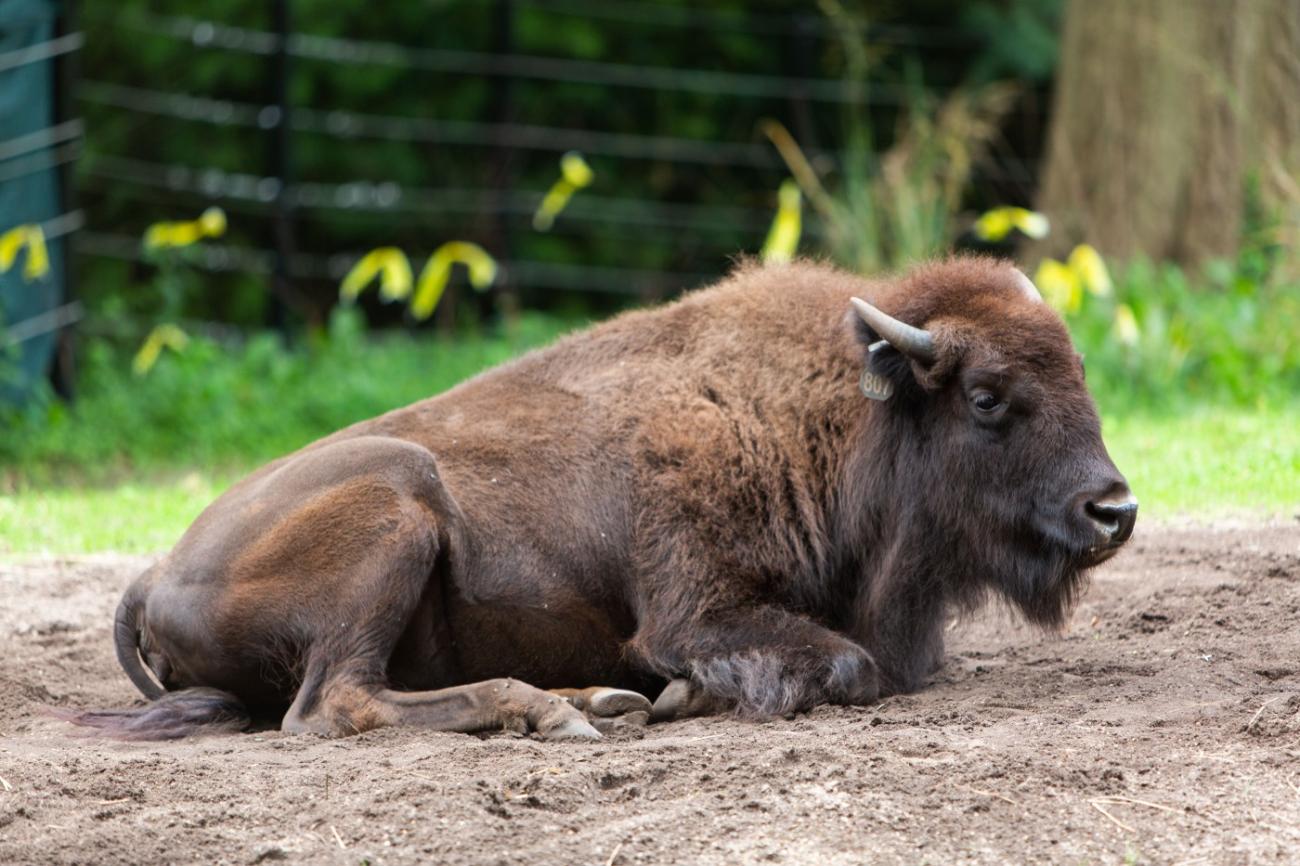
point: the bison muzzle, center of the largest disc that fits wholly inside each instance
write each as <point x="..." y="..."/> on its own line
<point x="768" y="495"/>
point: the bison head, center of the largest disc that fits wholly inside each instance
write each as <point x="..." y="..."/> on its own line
<point x="993" y="434"/>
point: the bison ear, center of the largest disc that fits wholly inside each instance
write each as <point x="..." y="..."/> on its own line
<point x="903" y="354"/>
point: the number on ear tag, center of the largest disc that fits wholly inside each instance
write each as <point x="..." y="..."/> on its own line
<point x="874" y="386"/>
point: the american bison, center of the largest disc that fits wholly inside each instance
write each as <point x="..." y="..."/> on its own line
<point x="769" y="495"/>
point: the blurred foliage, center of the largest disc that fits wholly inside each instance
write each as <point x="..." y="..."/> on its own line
<point x="1021" y="38"/>
<point x="929" y="45"/>
<point x="220" y="403"/>
<point x="1163" y="340"/>
<point x="898" y="206"/>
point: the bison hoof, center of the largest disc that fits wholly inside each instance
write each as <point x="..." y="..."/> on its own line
<point x="682" y="699"/>
<point x="570" y="729"/>
<point x="607" y="703"/>
<point x="633" y="721"/>
<point x="671" y="701"/>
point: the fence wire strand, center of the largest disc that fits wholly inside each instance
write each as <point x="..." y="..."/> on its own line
<point x="210" y="34"/>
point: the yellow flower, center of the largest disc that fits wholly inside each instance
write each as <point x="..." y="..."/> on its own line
<point x="433" y="279"/>
<point x="389" y="264"/>
<point x="1126" y="325"/>
<point x="163" y="336"/>
<point x="574" y="175"/>
<point x="575" y="170"/>
<point x="1063" y="285"/>
<point x="783" y="238"/>
<point x="213" y="222"/>
<point x="1059" y="285"/>
<point x="38" y="257"/>
<point x="1087" y="264"/>
<point x="996" y="224"/>
<point x="210" y="224"/>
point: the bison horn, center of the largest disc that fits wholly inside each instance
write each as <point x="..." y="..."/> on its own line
<point x="916" y="343"/>
<point x="1026" y="285"/>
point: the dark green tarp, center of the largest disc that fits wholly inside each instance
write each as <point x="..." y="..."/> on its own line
<point x="29" y="189"/>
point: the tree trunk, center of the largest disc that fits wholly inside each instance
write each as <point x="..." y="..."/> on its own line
<point x="1273" y="144"/>
<point x="1163" y="111"/>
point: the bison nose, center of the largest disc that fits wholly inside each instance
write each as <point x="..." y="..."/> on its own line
<point x="1113" y="516"/>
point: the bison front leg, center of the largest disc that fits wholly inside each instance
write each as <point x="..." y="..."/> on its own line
<point x="491" y="705"/>
<point x="761" y="660"/>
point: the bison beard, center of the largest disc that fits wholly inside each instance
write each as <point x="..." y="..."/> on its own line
<point x="698" y="494"/>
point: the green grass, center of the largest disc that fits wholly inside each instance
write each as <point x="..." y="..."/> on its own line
<point x="1205" y="464"/>
<point x="136" y="517"/>
<point x="1211" y="462"/>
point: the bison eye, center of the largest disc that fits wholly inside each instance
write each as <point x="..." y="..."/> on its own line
<point x="986" y="402"/>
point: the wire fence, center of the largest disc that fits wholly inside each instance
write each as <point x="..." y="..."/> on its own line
<point x="273" y="195"/>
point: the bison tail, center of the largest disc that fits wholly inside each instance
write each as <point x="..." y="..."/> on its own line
<point x="126" y="636"/>
<point x="175" y="715"/>
<point x="169" y="715"/>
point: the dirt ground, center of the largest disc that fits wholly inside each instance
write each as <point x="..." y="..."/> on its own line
<point x="1163" y="727"/>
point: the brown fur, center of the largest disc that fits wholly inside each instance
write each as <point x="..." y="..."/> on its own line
<point x="693" y="491"/>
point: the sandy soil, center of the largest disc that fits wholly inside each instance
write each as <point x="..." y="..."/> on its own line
<point x="1164" y="727"/>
